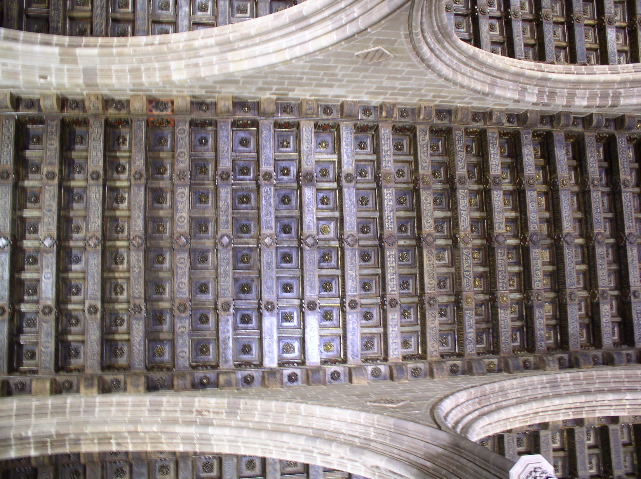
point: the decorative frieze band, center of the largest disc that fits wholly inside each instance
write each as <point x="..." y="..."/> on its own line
<point x="224" y="247"/>
<point x="531" y="238"/>
<point x="7" y="226"/>
<point x="350" y="250"/>
<point x="498" y="244"/>
<point x="138" y="309"/>
<point x="309" y="240"/>
<point x="93" y="281"/>
<point x="463" y="243"/>
<point x="49" y="245"/>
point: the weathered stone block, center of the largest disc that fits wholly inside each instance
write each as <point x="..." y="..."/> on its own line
<point x="136" y="384"/>
<point x="358" y="375"/>
<point x="387" y="111"/>
<point x="308" y="107"/>
<point x="626" y="122"/>
<point x="267" y="106"/>
<point x="227" y="380"/>
<point x="581" y="360"/>
<point x="182" y="104"/>
<point x="614" y="358"/>
<point x="138" y="104"/>
<point x="462" y="115"/>
<point x="476" y="367"/>
<point x="43" y="387"/>
<point x="185" y="468"/>
<point x="562" y="119"/>
<point x="496" y="117"/>
<point x="7" y="101"/>
<point x="349" y="110"/>
<point x="594" y="121"/>
<point x="399" y="372"/>
<point x="512" y="365"/>
<point x="530" y="119"/>
<point x="272" y="379"/>
<point x="425" y="112"/>
<point x="439" y="369"/>
<point x="182" y="381"/>
<point x="89" y="385"/>
<point x="50" y="102"/>
<point x="94" y="103"/>
<point x="315" y="376"/>
<point x="546" y="362"/>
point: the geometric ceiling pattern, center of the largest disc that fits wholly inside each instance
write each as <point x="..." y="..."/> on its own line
<point x="245" y="236"/>
<point x="584" y="32"/>
<point x="602" y="446"/>
<point x="164" y="465"/>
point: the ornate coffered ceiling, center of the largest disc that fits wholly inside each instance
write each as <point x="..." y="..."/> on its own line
<point x="180" y="218"/>
<point x="162" y="465"/>
<point x="227" y="238"/>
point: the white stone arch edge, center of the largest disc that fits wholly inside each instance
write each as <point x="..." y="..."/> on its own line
<point x="528" y="83"/>
<point x="371" y="445"/>
<point x="482" y="411"/>
<point x="41" y="62"/>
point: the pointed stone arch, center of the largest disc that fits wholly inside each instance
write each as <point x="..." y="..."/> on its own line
<point x="372" y="445"/>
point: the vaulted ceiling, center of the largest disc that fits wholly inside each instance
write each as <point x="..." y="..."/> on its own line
<point x="335" y="194"/>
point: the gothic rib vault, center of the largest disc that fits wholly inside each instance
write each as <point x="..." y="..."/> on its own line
<point x="333" y="241"/>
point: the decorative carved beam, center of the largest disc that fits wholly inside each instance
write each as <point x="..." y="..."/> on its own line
<point x="350" y="249"/>
<point x="268" y="245"/>
<point x="389" y="249"/>
<point x="49" y="249"/>
<point x="427" y="237"/>
<point x="597" y="246"/>
<point x="93" y="298"/>
<point x="531" y="236"/>
<point x="565" y="239"/>
<point x="182" y="247"/>
<point x="7" y="236"/>
<point x="310" y="242"/>
<point x="224" y="231"/>
<point x="623" y="154"/>
<point x="466" y="334"/>
<point x="137" y="245"/>
<point x="498" y="249"/>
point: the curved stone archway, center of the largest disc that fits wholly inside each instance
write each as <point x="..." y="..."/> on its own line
<point x="372" y="445"/>
<point x="43" y="62"/>
<point x="528" y="83"/>
<point x="313" y="31"/>
<point x="492" y="408"/>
